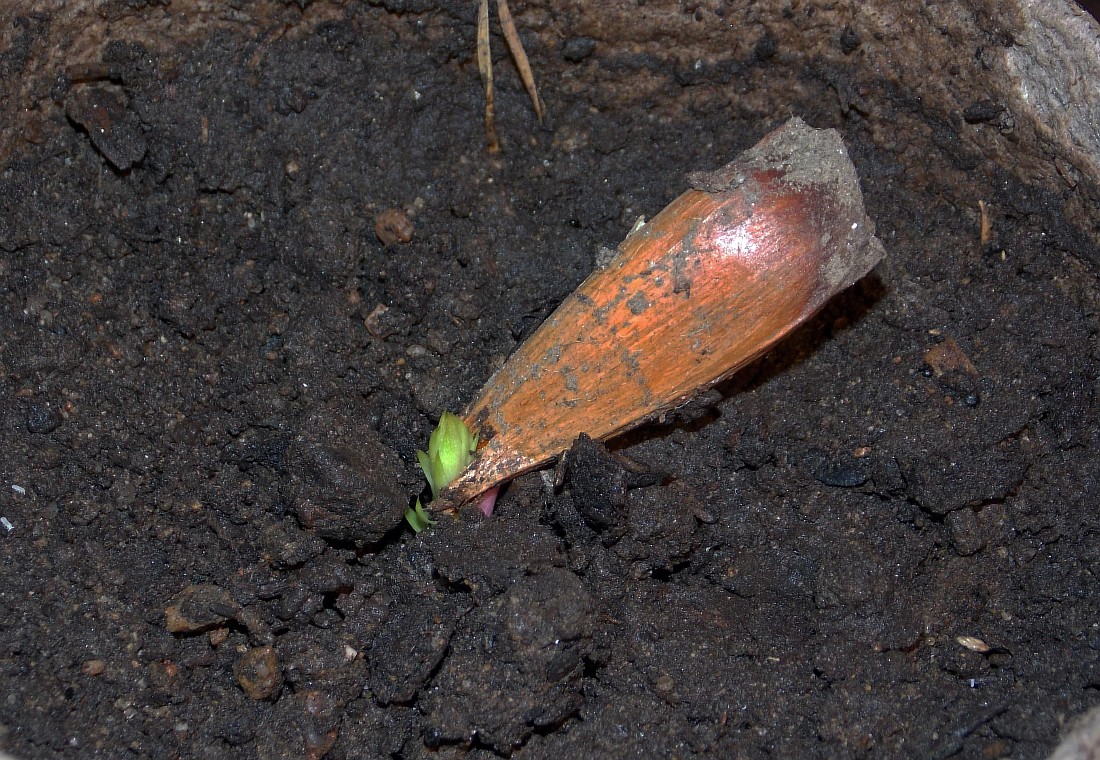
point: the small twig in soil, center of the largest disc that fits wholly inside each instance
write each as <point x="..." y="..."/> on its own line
<point x="485" y="65"/>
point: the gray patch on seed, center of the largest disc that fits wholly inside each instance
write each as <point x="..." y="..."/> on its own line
<point x="638" y="303"/>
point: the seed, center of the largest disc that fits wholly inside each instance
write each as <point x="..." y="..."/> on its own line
<point x="973" y="643"/>
<point x="709" y="284"/>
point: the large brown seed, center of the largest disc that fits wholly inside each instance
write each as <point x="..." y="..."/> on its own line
<point x="714" y="280"/>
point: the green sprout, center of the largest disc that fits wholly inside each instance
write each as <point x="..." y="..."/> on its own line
<point x="451" y="448"/>
<point x="418" y="518"/>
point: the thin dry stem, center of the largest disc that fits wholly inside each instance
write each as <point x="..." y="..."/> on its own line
<point x="485" y="66"/>
<point x="515" y="45"/>
<point x="986" y="229"/>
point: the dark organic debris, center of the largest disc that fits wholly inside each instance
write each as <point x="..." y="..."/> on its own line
<point x="114" y="129"/>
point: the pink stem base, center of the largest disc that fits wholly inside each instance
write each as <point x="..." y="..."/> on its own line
<point x="488" y="500"/>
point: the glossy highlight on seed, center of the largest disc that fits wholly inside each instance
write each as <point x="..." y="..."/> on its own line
<point x="751" y="251"/>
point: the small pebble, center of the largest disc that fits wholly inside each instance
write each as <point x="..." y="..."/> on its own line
<point x="199" y="608"/>
<point x="576" y="49"/>
<point x="258" y="673"/>
<point x="840" y="473"/>
<point x="393" y="226"/>
<point x="93" y="667"/>
<point x="217" y="636"/>
<point x="42" y="418"/>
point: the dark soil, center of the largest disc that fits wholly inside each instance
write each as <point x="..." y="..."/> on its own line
<point x="214" y="377"/>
